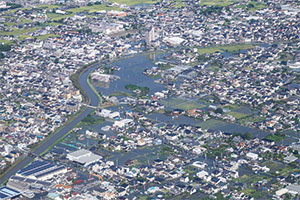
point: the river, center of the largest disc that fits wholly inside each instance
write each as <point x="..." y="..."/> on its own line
<point x="93" y="99"/>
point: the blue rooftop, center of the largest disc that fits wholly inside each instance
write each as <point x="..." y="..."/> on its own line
<point x="6" y="192"/>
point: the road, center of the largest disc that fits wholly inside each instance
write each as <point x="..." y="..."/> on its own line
<point x="94" y="102"/>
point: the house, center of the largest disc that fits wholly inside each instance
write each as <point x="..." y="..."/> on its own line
<point x="122" y="123"/>
<point x="252" y="156"/>
<point x="290" y="158"/>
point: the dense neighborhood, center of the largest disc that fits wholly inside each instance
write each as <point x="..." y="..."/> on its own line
<point x="197" y="99"/>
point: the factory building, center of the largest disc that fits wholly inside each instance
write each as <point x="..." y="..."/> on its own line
<point x="84" y="157"/>
<point x="7" y="193"/>
<point x="41" y="170"/>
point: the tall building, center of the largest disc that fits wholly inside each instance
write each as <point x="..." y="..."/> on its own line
<point x="151" y="37"/>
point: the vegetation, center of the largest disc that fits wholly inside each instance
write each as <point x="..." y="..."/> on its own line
<point x="253" y="6"/>
<point x="237" y="115"/>
<point x="165" y="66"/>
<point x="58" y="17"/>
<point x="183" y="104"/>
<point x="44" y="37"/>
<point x="227" y="48"/>
<point x="166" y="151"/>
<point x="75" y="80"/>
<point x="90" y="120"/>
<point x="5" y="47"/>
<point x="133" y="2"/>
<point x="93" y="8"/>
<point x="277" y="137"/>
<point x="17" y="32"/>
<point x="220" y="3"/>
<point x="138" y="89"/>
<point x="245" y="136"/>
<point x="9" y="42"/>
<point x="211" y="10"/>
<point x="178" y="3"/>
<point x="48" y="6"/>
<point x="119" y="93"/>
<point x="12" y="6"/>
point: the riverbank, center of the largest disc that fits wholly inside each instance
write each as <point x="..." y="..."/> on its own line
<point x="89" y="97"/>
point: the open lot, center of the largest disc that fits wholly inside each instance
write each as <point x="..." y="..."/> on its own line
<point x="176" y="103"/>
<point x="216" y="2"/>
<point x="93" y="8"/>
<point x="44" y="37"/>
<point x="211" y="123"/>
<point x="6" y="41"/>
<point x="17" y="32"/>
<point x="132" y="2"/>
<point x="237" y="115"/>
<point x="48" y="6"/>
<point x="58" y="17"/>
<point x="230" y="48"/>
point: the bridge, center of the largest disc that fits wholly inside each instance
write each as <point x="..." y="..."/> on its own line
<point x="90" y="106"/>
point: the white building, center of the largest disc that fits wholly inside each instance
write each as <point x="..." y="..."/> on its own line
<point x="151" y="36"/>
<point x="84" y="157"/>
<point x="252" y="156"/>
<point x="123" y="123"/>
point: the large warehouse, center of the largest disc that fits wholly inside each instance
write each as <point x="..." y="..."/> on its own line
<point x="84" y="157"/>
<point x="8" y="193"/>
<point x="41" y="170"/>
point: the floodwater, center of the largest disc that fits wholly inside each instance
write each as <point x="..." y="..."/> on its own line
<point x="131" y="72"/>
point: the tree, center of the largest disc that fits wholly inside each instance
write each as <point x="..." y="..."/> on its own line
<point x="219" y="110"/>
<point x="5" y="47"/>
<point x="247" y="136"/>
<point x="296" y="152"/>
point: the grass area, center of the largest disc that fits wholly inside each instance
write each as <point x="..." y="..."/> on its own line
<point x="93" y="8"/>
<point x="58" y="17"/>
<point x="176" y="103"/>
<point x="254" y="178"/>
<point x="254" y="118"/>
<point x="23" y="37"/>
<point x="277" y="137"/>
<point x="188" y="105"/>
<point x="165" y="66"/>
<point x="230" y="48"/>
<point x="237" y="115"/>
<point x="11" y="11"/>
<point x="272" y="165"/>
<point x="10" y="24"/>
<point x="212" y="123"/>
<point x="285" y="171"/>
<point x="25" y="21"/>
<point x="120" y="93"/>
<point x="253" y="6"/>
<point x="90" y="120"/>
<point x="132" y="2"/>
<point x="50" y="24"/>
<point x="216" y="2"/>
<point x="44" y="37"/>
<point x="48" y="6"/>
<point x="232" y="107"/>
<point x="137" y="89"/>
<point x="179" y="3"/>
<point x="17" y="32"/>
<point x="7" y="42"/>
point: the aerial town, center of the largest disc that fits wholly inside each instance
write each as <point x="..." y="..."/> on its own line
<point x="150" y="99"/>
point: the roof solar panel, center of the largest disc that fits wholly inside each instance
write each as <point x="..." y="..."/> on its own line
<point x="51" y="171"/>
<point x="33" y="165"/>
<point x="37" y="169"/>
